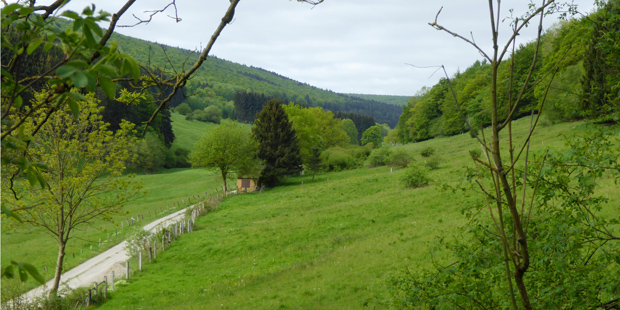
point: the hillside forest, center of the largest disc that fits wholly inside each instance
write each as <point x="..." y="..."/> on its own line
<point x="577" y="58"/>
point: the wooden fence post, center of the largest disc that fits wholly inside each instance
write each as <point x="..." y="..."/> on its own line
<point x="140" y="260"/>
<point x="112" y="279"/>
<point x="150" y="255"/>
<point x="127" y="270"/>
<point x="105" y="291"/>
<point x="96" y="287"/>
<point x="88" y="296"/>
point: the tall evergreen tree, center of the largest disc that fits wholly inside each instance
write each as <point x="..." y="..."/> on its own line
<point x="278" y="147"/>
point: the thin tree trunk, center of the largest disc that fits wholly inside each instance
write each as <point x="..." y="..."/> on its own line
<point x="61" y="256"/>
<point x="224" y="179"/>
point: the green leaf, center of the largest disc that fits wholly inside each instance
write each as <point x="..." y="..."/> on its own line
<point x="18" y="101"/>
<point x="40" y="179"/>
<point x="23" y="276"/>
<point x="42" y="166"/>
<point x="90" y="40"/>
<point x="9" y="213"/>
<point x="78" y="63"/>
<point x="65" y="71"/>
<point x="33" y="46"/>
<point x="74" y="108"/>
<point x="107" y="70"/>
<point x="130" y="66"/>
<point x="94" y="27"/>
<point x="78" y="24"/>
<point x="33" y="272"/>
<point x="78" y="96"/>
<point x="107" y="86"/>
<point x="48" y="46"/>
<point x="10" y="8"/>
<point x="26" y="11"/>
<point x="79" y="79"/>
<point x="71" y="14"/>
<point x="60" y="99"/>
<point x="32" y="178"/>
<point x="7" y="74"/>
<point x="7" y="272"/>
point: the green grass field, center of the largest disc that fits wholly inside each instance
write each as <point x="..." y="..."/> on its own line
<point x="332" y="244"/>
<point x="187" y="133"/>
<point x="165" y="192"/>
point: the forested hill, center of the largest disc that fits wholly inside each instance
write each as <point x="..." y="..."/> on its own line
<point x="389" y="99"/>
<point x="576" y="76"/>
<point x="218" y="80"/>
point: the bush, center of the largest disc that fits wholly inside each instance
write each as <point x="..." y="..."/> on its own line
<point x="213" y="114"/>
<point x="415" y="177"/>
<point x="337" y="159"/>
<point x="378" y="157"/>
<point x="433" y="162"/>
<point x="400" y="158"/>
<point x="183" y="109"/>
<point x="427" y="151"/>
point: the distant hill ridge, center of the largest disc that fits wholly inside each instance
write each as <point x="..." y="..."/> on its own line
<point x="219" y="79"/>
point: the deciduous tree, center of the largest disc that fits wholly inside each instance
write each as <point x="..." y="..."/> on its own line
<point x="82" y="180"/>
<point x="229" y="147"/>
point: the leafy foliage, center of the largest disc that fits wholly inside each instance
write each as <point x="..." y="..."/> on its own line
<point x="83" y="173"/>
<point x="373" y="135"/>
<point x="228" y="148"/>
<point x="415" y="177"/>
<point x="278" y="145"/>
<point x="378" y="157"/>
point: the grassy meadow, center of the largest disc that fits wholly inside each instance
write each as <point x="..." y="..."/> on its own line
<point x="329" y="244"/>
<point x="164" y="193"/>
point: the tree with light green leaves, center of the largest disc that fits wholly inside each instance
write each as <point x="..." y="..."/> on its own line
<point x="229" y="147"/>
<point x="82" y="180"/>
<point x="348" y="126"/>
<point x="373" y="135"/>
<point x="315" y="127"/>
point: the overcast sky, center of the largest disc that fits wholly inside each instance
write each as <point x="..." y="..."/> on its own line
<point x="348" y="46"/>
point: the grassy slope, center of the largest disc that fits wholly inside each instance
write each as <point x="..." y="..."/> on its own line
<point x="187" y="133"/>
<point x="331" y="245"/>
<point x="32" y="245"/>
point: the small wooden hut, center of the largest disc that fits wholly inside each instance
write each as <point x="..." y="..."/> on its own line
<point x="245" y="185"/>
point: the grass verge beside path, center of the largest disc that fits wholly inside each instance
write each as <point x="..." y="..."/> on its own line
<point x="24" y="243"/>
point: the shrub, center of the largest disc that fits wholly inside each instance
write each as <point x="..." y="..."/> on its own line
<point x="427" y="151"/>
<point x="378" y="157"/>
<point x="415" y="177"/>
<point x="400" y="158"/>
<point x="433" y="162"/>
<point x="337" y="159"/>
<point x="183" y="109"/>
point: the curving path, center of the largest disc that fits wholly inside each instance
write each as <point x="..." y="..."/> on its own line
<point x="96" y="268"/>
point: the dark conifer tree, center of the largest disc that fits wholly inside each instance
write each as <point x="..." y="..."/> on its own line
<point x="278" y="147"/>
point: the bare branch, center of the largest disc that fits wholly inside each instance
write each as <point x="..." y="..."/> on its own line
<point x="439" y="27"/>
<point x="153" y="13"/>
<point x="182" y="80"/>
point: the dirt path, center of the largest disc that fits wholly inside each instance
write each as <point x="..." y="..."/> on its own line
<point x="96" y="268"/>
